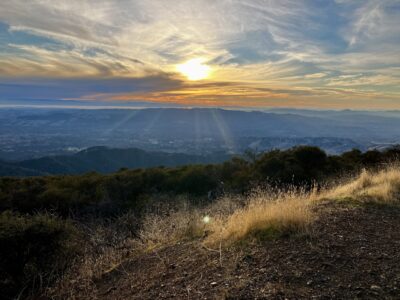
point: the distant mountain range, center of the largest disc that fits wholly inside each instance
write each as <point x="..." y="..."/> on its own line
<point x="103" y="160"/>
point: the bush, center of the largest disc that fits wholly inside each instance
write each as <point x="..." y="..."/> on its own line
<point x="109" y="195"/>
<point x="34" y="251"/>
<point x="298" y="166"/>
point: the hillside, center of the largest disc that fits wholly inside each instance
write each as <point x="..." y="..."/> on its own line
<point x="11" y="169"/>
<point x="352" y="253"/>
<point x="348" y="250"/>
<point x="285" y="224"/>
<point x="103" y="160"/>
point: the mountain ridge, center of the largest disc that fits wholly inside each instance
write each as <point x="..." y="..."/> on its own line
<point x="103" y="160"/>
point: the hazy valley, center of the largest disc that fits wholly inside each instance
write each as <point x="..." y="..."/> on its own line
<point x="27" y="133"/>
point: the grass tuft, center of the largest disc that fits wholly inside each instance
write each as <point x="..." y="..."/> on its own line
<point x="266" y="216"/>
<point x="381" y="187"/>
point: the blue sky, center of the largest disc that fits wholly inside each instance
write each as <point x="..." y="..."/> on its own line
<point x="304" y="54"/>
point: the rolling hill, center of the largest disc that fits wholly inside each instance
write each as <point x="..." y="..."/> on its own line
<point x="103" y="160"/>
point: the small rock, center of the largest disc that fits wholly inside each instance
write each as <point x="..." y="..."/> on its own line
<point x="309" y="282"/>
<point x="375" y="287"/>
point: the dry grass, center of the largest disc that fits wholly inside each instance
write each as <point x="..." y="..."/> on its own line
<point x="263" y="214"/>
<point x="79" y="282"/>
<point x="187" y="223"/>
<point x="232" y="218"/>
<point x="162" y="230"/>
<point x="108" y="244"/>
<point x="272" y="212"/>
<point x="266" y="215"/>
<point x="378" y="187"/>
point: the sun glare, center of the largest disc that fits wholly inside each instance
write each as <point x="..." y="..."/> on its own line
<point x="194" y="69"/>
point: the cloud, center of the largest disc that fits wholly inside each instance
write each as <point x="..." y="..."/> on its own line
<point x="71" y="62"/>
<point x="303" y="48"/>
<point x="315" y="75"/>
<point x="79" y="88"/>
<point x="229" y="94"/>
<point x="373" y="21"/>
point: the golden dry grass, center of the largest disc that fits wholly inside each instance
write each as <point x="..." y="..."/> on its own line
<point x="379" y="187"/>
<point x="161" y="230"/>
<point x="187" y="223"/>
<point x="281" y="212"/>
<point x="266" y="212"/>
<point x="264" y="215"/>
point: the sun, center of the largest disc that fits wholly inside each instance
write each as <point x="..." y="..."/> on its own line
<point x="194" y="69"/>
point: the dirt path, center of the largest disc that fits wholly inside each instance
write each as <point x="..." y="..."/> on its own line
<point x="352" y="252"/>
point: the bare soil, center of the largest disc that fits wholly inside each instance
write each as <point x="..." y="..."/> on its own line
<point x="351" y="252"/>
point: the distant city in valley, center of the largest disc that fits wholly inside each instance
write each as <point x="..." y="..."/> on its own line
<point x="32" y="133"/>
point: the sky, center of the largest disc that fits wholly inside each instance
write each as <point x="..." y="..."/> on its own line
<point x="321" y="54"/>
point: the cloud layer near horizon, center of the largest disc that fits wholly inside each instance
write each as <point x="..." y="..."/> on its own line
<point x="292" y="53"/>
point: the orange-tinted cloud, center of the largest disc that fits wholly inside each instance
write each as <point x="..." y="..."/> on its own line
<point x="233" y="94"/>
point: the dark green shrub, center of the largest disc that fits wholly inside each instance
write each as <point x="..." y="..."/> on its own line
<point x="34" y="251"/>
<point x="111" y="194"/>
<point x="197" y="180"/>
<point x="372" y="157"/>
<point x="310" y="157"/>
<point x="298" y="166"/>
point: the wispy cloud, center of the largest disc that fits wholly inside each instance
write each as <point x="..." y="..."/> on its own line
<point x="282" y="52"/>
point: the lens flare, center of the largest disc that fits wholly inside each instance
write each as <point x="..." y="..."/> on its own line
<point x="206" y="219"/>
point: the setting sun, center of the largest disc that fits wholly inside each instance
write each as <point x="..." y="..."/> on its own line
<point x="194" y="69"/>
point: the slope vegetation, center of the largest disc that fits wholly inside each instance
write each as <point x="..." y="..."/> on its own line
<point x="338" y="242"/>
